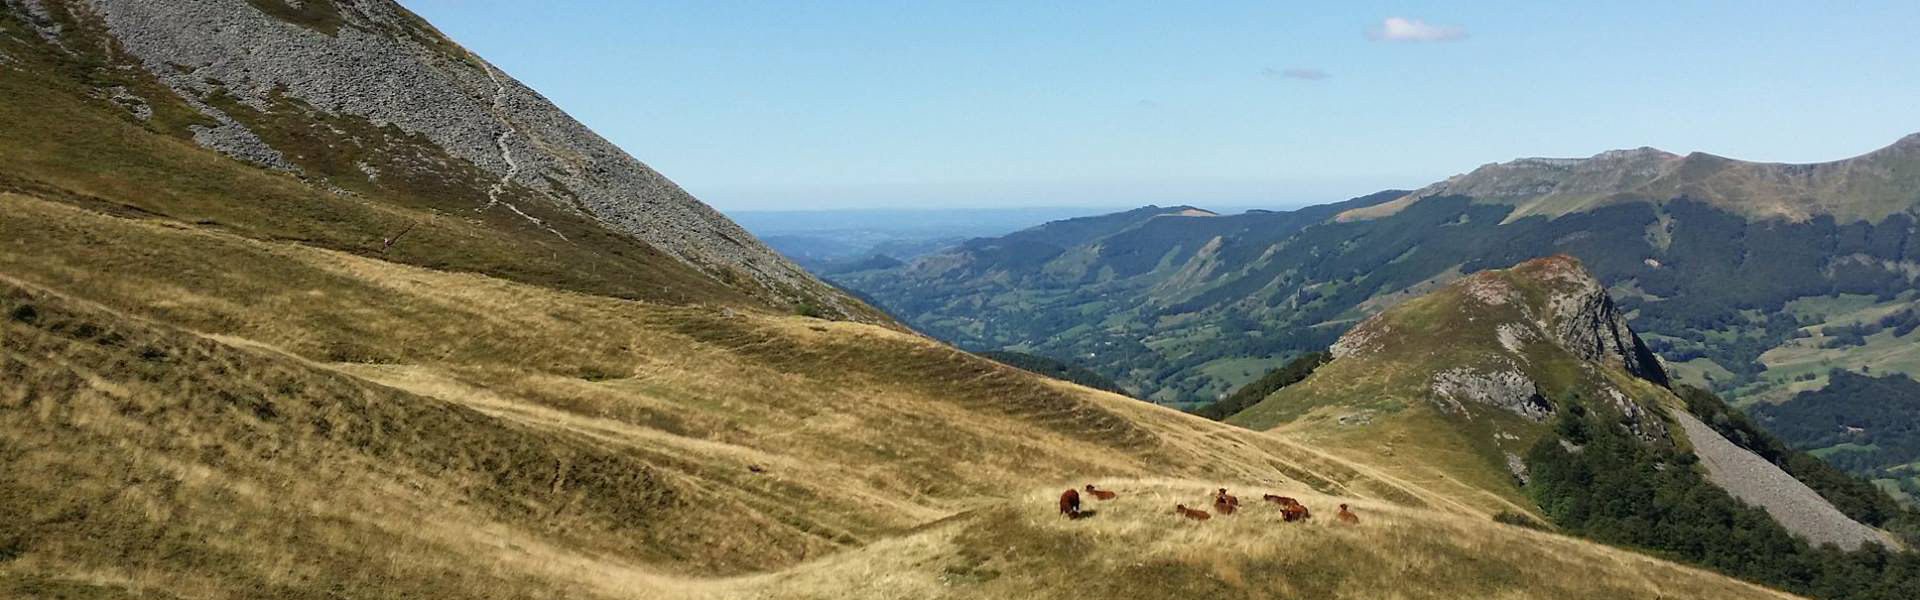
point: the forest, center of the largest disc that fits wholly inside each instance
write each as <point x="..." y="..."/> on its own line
<point x="1595" y="480"/>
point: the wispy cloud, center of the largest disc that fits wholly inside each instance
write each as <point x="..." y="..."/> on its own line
<point x="1398" y="29"/>
<point x="1301" y="73"/>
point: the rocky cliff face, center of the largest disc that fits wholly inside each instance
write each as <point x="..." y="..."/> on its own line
<point x="1583" y="318"/>
<point x="286" y="84"/>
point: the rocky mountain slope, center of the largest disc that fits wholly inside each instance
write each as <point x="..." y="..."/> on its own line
<point x="364" y="98"/>
<point x="1746" y="276"/>
<point x="1496" y="358"/>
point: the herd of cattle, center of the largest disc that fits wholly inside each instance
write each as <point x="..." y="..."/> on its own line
<point x="1224" y="503"/>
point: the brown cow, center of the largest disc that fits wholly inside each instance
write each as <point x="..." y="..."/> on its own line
<point x="1197" y="515"/>
<point x="1222" y="493"/>
<point x="1101" y="494"/>
<point x="1070" y="504"/>
<point x="1290" y="510"/>
<point x="1347" y="516"/>
<point x="1295" y="512"/>
<point x="1224" y="503"/>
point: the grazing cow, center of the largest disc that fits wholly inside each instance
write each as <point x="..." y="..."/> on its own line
<point x="1197" y="515"/>
<point x="1347" y="516"/>
<point x="1070" y="504"/>
<point x="1101" y="494"/>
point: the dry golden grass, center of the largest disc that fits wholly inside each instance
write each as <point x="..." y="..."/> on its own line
<point x="193" y="413"/>
<point x="1135" y="547"/>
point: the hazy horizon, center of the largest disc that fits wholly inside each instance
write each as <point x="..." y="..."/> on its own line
<point x="756" y="106"/>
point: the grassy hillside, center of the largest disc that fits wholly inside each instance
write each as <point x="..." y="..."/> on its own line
<point x="1137" y="549"/>
<point x="219" y="381"/>
<point x="1494" y="334"/>
<point x="1054" y="368"/>
<point x="311" y="422"/>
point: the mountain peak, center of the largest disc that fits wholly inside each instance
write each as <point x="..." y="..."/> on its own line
<point x="1555" y="297"/>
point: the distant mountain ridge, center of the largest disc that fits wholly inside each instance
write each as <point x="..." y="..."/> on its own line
<point x="1868" y="187"/>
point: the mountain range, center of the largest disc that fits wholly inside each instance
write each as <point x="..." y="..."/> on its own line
<point x="1755" y="280"/>
<point x="301" y="299"/>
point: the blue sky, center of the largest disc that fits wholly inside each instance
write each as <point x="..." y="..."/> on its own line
<point x="804" y="105"/>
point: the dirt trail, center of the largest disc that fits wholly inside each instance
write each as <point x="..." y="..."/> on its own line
<point x="506" y="151"/>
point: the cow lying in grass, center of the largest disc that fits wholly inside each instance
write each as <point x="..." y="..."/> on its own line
<point x="1101" y="494"/>
<point x="1347" y="516"/>
<point x="1197" y="515"/>
<point x="1224" y="503"/>
<point x="1290" y="510"/>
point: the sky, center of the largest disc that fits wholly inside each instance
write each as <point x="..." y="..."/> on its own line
<point x="795" y="105"/>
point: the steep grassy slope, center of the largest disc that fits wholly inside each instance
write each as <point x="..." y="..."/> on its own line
<point x="302" y="422"/>
<point x="1054" y="368"/>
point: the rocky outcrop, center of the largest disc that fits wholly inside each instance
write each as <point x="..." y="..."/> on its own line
<point x="375" y="61"/>
<point x="1506" y="389"/>
<point x="1583" y="318"/>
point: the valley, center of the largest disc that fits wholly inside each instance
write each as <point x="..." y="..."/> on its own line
<point x="1757" y="301"/>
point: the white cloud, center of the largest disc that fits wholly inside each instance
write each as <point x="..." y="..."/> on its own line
<point x="1302" y="73"/>
<point x="1397" y="29"/>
